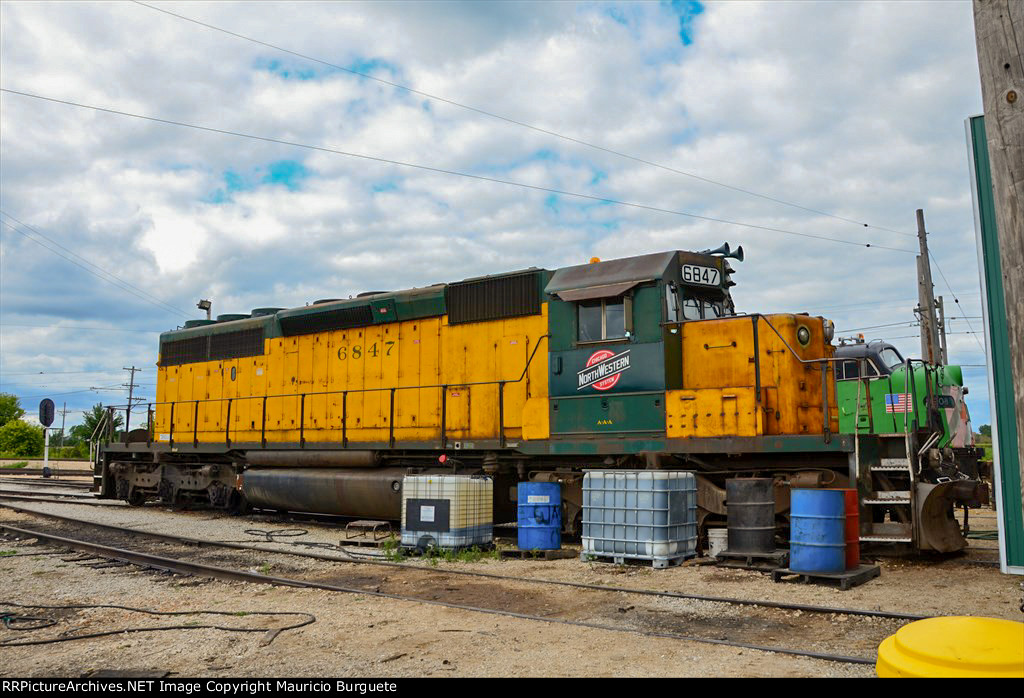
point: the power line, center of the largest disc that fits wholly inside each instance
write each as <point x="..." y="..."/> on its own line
<point x="49" y="373"/>
<point x="907" y="323"/>
<point x="36" y="231"/>
<point x="456" y="173"/>
<point x="916" y="336"/>
<point x="878" y="303"/>
<point x="955" y="299"/>
<point x="76" y="327"/>
<point x="116" y="281"/>
<point x="523" y="124"/>
<point x="70" y="392"/>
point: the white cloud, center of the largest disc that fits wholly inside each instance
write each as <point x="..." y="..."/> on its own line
<point x="851" y="108"/>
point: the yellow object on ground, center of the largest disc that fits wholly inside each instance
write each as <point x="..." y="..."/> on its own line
<point x="956" y="646"/>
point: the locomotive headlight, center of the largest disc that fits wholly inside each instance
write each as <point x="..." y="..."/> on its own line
<point x="803" y="335"/>
<point x="830" y="329"/>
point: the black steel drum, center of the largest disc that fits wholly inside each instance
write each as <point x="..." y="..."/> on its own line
<point x="750" y="504"/>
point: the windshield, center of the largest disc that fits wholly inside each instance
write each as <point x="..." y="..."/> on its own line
<point x="891" y="358"/>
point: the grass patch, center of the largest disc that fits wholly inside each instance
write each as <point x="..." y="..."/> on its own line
<point x="474" y="554"/>
<point x="8" y="553"/>
<point x="265" y="568"/>
<point x="19" y="464"/>
<point x="392" y="550"/>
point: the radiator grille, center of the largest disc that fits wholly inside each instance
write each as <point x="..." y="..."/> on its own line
<point x="493" y="299"/>
<point x="184" y="351"/>
<point x="234" y="345"/>
<point x="338" y="319"/>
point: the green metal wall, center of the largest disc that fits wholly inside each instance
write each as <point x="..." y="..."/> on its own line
<point x="1000" y="375"/>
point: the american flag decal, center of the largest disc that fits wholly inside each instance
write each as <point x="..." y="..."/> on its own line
<point x="897" y="402"/>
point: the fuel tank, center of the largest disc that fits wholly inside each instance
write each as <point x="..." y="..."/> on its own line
<point x="374" y="493"/>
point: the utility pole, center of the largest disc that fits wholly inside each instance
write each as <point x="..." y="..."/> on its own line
<point x="925" y="311"/>
<point x="998" y="26"/>
<point x="131" y="390"/>
<point x="943" y="341"/>
<point x="63" y="416"/>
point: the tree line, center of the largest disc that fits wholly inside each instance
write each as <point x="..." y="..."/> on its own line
<point x="20" y="439"/>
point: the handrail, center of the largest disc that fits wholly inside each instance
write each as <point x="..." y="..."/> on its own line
<point x="344" y="393"/>
<point x="358" y="390"/>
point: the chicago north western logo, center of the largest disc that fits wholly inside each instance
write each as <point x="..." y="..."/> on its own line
<point x="604" y="369"/>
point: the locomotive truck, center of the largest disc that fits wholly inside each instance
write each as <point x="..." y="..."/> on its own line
<point x="530" y="375"/>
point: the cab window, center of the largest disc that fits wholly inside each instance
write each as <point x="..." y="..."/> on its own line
<point x="891" y="358"/>
<point x="600" y="320"/>
<point x="848" y="370"/>
<point x="701" y="309"/>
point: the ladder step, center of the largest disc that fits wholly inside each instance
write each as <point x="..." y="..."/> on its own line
<point x="890" y="494"/>
<point x="892" y="464"/>
<point x="889" y="497"/>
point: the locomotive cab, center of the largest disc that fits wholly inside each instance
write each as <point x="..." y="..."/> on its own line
<point x="615" y="345"/>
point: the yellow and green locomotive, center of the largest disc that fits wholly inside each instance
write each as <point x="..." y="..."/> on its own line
<point x="535" y="374"/>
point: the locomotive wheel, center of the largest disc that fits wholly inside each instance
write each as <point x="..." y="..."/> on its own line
<point x="136" y="498"/>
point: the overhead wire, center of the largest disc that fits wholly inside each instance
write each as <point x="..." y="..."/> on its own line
<point x="456" y="173"/>
<point x="517" y="122"/>
<point x="76" y="327"/>
<point x="109" y="278"/>
<point x="49" y="373"/>
<point x="955" y="298"/>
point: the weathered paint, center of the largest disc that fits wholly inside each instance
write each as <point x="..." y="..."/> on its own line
<point x="1004" y="414"/>
<point x="940" y="387"/>
<point x="368" y="362"/>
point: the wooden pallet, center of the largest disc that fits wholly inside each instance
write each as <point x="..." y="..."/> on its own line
<point x="539" y="554"/>
<point x="658" y="563"/>
<point x="847" y="580"/>
<point x="760" y="562"/>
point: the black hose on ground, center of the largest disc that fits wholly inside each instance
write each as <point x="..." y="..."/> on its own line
<point x="12" y="619"/>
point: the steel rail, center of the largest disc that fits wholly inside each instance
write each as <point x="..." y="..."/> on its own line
<point x="60" y="471"/>
<point x="37" y="493"/>
<point x="46" y="498"/>
<point x="228" y="574"/>
<point x="487" y="575"/>
<point x="42" y="482"/>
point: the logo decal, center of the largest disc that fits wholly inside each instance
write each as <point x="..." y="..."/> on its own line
<point x="604" y="369"/>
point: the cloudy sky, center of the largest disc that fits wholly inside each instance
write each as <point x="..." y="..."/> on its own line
<point x="113" y="227"/>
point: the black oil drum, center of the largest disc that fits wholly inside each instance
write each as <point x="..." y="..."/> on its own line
<point x="750" y="503"/>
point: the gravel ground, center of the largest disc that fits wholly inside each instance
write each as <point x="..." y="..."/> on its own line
<point x="370" y="636"/>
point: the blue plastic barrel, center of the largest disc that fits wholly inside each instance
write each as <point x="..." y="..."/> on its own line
<point x="540" y="515"/>
<point x="817" y="525"/>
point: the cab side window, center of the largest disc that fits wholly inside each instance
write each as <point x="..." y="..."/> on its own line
<point x="850" y="370"/>
<point x="599" y="320"/>
<point x="696" y="308"/>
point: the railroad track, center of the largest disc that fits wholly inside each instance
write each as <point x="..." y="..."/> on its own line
<point x="654" y="621"/>
<point x="46" y="482"/>
<point x="62" y="471"/>
<point x="77" y="498"/>
<point x="67" y="493"/>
